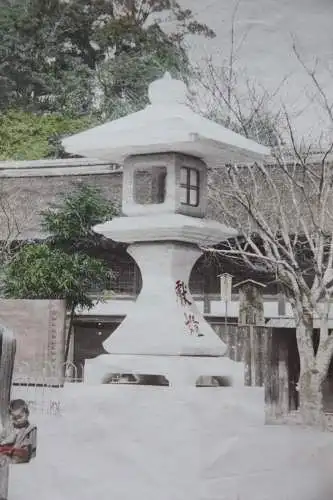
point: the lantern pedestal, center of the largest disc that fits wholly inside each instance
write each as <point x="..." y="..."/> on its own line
<point x="165" y="327"/>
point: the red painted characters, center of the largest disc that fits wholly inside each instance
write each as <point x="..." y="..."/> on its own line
<point x="181" y="292"/>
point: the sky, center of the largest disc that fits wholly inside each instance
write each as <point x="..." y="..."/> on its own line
<point x="266" y="55"/>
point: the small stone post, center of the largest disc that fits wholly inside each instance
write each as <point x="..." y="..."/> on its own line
<point x="251" y="314"/>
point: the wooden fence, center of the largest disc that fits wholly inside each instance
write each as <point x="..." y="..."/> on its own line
<point x="247" y="344"/>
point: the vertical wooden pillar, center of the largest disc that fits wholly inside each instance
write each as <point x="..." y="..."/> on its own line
<point x="251" y="304"/>
<point x="136" y="280"/>
<point x="271" y="375"/>
<point x="283" y="406"/>
<point x="251" y="314"/>
<point x="206" y="291"/>
<point x="7" y="358"/>
<point x="277" y="384"/>
<point x="281" y="304"/>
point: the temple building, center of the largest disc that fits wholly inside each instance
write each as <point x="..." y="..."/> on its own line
<point x="30" y="186"/>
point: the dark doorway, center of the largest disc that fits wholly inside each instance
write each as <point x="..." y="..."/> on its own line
<point x="88" y="342"/>
<point x="328" y="390"/>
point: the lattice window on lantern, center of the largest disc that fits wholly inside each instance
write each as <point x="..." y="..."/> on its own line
<point x="150" y="185"/>
<point x="189" y="186"/>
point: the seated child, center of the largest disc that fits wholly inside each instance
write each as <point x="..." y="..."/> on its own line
<point x="20" y="444"/>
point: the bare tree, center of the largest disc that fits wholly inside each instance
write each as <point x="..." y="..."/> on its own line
<point x="10" y="226"/>
<point x="283" y="211"/>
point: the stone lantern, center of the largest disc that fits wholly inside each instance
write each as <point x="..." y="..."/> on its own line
<point x="165" y="150"/>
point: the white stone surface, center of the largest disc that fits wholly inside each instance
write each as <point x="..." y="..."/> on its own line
<point x="154" y="337"/>
<point x="173" y="163"/>
<point x="156" y="325"/>
<point x="166" y="125"/>
<point x="180" y="371"/>
<point x="166" y="227"/>
<point x="164" y="245"/>
<point x="155" y="443"/>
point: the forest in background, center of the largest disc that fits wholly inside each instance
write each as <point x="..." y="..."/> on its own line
<point x="66" y="65"/>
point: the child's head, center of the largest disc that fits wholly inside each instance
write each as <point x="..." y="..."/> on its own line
<point x="19" y="412"/>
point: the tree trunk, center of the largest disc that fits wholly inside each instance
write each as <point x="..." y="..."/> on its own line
<point x="311" y="397"/>
<point x="311" y="378"/>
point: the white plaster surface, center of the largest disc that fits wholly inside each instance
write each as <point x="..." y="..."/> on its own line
<point x="129" y="442"/>
<point x="167" y="124"/>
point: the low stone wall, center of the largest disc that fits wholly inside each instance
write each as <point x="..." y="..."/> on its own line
<point x="39" y="328"/>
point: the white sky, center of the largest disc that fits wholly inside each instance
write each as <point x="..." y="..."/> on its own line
<point x="267" y="54"/>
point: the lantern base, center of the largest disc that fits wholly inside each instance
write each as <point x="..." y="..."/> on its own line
<point x="179" y="371"/>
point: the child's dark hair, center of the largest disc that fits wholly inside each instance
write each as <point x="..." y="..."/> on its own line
<point x="18" y="404"/>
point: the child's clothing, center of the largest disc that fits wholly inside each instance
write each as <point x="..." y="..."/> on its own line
<point x="20" y="444"/>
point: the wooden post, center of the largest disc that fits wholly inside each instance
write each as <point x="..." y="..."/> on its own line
<point x="271" y="376"/>
<point x="206" y="290"/>
<point x="225" y="294"/>
<point x="281" y="304"/>
<point x="7" y="357"/>
<point x="283" y="406"/>
<point x="251" y="304"/>
<point x="251" y="313"/>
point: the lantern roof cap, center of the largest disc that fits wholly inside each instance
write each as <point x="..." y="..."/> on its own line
<point x="167" y="124"/>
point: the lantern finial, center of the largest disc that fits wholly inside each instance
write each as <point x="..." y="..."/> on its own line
<point x="167" y="90"/>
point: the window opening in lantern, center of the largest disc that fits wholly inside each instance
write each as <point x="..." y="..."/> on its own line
<point x="213" y="381"/>
<point x="150" y="185"/>
<point x="189" y="186"/>
<point x="137" y="379"/>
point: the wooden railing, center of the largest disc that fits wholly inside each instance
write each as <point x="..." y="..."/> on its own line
<point x="211" y="297"/>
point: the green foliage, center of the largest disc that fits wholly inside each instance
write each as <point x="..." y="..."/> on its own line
<point x="70" y="222"/>
<point x="55" y="60"/>
<point x="62" y="62"/>
<point x="51" y="51"/>
<point x="125" y="79"/>
<point x="38" y="62"/>
<point x="40" y="272"/>
<point x="61" y="267"/>
<point x="28" y="136"/>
